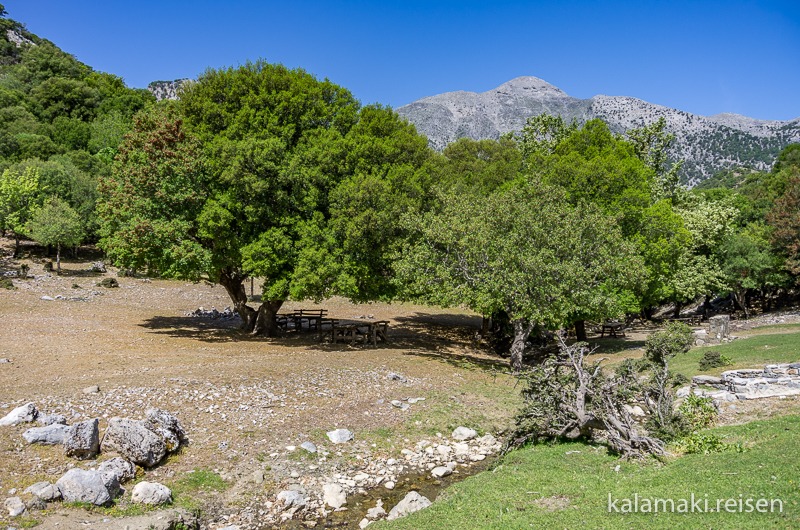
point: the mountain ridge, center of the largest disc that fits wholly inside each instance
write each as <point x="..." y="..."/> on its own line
<point x="707" y="144"/>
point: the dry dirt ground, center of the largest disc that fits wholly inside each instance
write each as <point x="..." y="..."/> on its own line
<point x="241" y="400"/>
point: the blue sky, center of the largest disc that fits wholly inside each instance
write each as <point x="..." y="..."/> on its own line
<point x="701" y="57"/>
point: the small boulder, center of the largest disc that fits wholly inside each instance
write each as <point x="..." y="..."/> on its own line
<point x="151" y="493"/>
<point x="24" y="414"/>
<point x="308" y="446"/>
<point x="168" y="426"/>
<point x="334" y="495"/>
<point x="291" y="499"/>
<point x="413" y="502"/>
<point x="80" y="485"/>
<point x="377" y="512"/>
<point x="464" y="434"/>
<point x="50" y="435"/>
<point x="94" y="389"/>
<point x="44" y="491"/>
<point x="441" y="471"/>
<point x="82" y="440"/>
<point x="50" y="419"/>
<point x="118" y="469"/>
<point x="15" y="506"/>
<point x="134" y="441"/>
<point x="108" y="283"/>
<point x="339" y="436"/>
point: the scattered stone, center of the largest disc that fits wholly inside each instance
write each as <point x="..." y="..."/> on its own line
<point x="80" y="485"/>
<point x="339" y="436"/>
<point x="44" y="490"/>
<point x="377" y="512"/>
<point x="397" y="377"/>
<point x="48" y="298"/>
<point x="464" y="434"/>
<point x="94" y="389"/>
<point x="151" y="493"/>
<point x="82" y="440"/>
<point x="413" y="502"/>
<point x="97" y="266"/>
<point x="15" y="506"/>
<point x="134" y="441"/>
<point x="683" y="392"/>
<point x="364" y="523"/>
<point x="415" y="400"/>
<point x="52" y="434"/>
<point x="334" y="495"/>
<point x="24" y="414"/>
<point x="291" y="498"/>
<point x="442" y="471"/>
<point x="389" y="485"/>
<point x="308" y="446"/>
<point x="5" y="360"/>
<point x="258" y="476"/>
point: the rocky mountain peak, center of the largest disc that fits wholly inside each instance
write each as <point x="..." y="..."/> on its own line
<point x="529" y="86"/>
<point x="706" y="145"/>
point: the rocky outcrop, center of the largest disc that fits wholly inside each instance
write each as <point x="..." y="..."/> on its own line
<point x="166" y="89"/>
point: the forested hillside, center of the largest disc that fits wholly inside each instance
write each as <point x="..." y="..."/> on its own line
<point x="60" y="125"/>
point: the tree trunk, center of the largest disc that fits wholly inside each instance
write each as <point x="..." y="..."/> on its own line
<point x="16" y="246"/>
<point x="741" y="300"/>
<point x="580" y="330"/>
<point x="234" y="285"/>
<point x="522" y="329"/>
<point x="265" y="321"/>
<point x="58" y="259"/>
<point x="678" y="307"/>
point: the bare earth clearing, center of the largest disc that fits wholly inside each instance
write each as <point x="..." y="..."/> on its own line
<point x="245" y="401"/>
<point x="241" y="400"/>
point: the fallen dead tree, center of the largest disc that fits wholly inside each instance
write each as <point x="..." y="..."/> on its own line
<point x="568" y="397"/>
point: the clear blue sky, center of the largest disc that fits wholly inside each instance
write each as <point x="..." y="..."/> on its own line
<point x="701" y="57"/>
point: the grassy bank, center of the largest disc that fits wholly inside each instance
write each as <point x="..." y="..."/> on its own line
<point x="568" y="486"/>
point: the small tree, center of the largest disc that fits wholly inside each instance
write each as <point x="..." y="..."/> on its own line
<point x="19" y="191"/>
<point x="55" y="223"/>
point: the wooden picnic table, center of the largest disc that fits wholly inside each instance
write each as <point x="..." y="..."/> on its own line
<point x="612" y="328"/>
<point x="352" y="331"/>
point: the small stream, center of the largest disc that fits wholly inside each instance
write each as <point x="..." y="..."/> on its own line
<point x="428" y="486"/>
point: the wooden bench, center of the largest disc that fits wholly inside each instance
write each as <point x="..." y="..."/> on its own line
<point x="312" y="317"/>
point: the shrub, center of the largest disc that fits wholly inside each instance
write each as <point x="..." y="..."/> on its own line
<point x="713" y="359"/>
<point x="6" y="283"/>
<point x="705" y="443"/>
<point x="698" y="412"/>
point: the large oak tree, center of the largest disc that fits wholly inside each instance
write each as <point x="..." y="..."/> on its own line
<point x="266" y="172"/>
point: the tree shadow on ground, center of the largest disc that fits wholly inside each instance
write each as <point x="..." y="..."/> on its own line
<point x="609" y="345"/>
<point x="201" y="329"/>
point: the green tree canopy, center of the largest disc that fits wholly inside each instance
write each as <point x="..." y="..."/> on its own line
<point x="524" y="250"/>
<point x="56" y="224"/>
<point x="262" y="171"/>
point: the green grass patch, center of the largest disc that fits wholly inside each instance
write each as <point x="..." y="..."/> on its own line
<point x="569" y="486"/>
<point x="751" y="352"/>
<point x="188" y="490"/>
<point x="119" y="508"/>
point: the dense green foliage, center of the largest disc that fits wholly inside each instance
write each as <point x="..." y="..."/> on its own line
<point x="60" y="117"/>
<point x="262" y="171"/>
